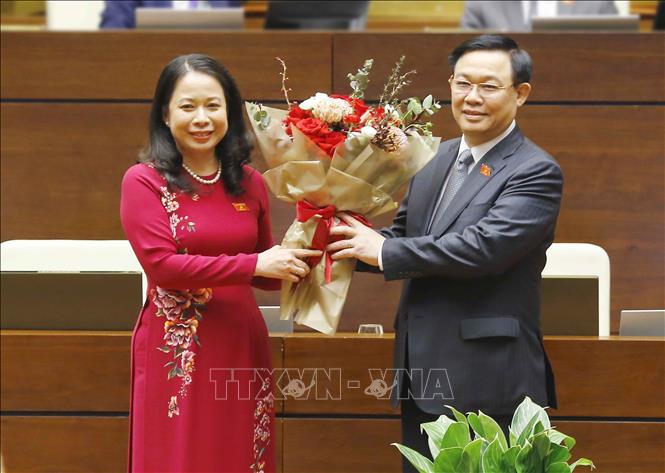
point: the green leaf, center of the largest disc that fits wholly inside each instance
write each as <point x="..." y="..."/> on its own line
<point x="427" y="101"/>
<point x="448" y="460"/>
<point x="527" y="460"/>
<point x="437" y="429"/>
<point x="541" y="444"/>
<point x="457" y="435"/>
<point x="170" y="363"/>
<point x="524" y="414"/>
<point x="471" y="457"/>
<point x="165" y="349"/>
<point x="559" y="467"/>
<point x="558" y="437"/>
<point x="509" y="458"/>
<point x="527" y="431"/>
<point x="492" y="457"/>
<point x="557" y="454"/>
<point x="486" y="427"/>
<point x="420" y="463"/>
<point x="172" y="372"/>
<point x="582" y="462"/>
<point x="178" y="351"/>
<point x="458" y="415"/>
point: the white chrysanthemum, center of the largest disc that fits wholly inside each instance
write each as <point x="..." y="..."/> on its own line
<point x="332" y="110"/>
<point x="312" y="101"/>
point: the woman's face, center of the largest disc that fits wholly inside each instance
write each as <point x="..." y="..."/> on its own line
<point x="196" y="115"/>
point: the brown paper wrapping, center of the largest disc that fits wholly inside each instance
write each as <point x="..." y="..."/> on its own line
<point x="360" y="178"/>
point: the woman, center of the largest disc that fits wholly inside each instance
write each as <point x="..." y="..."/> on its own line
<point x="198" y="220"/>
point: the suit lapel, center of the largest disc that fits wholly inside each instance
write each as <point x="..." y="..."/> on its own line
<point x="493" y="162"/>
<point x="432" y="191"/>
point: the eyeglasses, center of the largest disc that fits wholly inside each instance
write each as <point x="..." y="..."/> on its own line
<point x="485" y="89"/>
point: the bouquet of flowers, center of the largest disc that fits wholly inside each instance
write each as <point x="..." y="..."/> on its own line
<point x="333" y="153"/>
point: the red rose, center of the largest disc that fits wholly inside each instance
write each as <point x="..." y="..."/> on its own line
<point x="312" y="127"/>
<point x="295" y="115"/>
<point x="329" y="141"/>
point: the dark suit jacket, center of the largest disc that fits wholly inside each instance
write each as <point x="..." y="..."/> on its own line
<point x="470" y="302"/>
<point x="507" y="15"/>
<point x="120" y="13"/>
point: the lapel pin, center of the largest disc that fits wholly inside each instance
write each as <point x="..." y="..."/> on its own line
<point x="485" y="170"/>
<point x="240" y="207"/>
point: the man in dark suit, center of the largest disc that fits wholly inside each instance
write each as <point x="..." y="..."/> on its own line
<point x="469" y="241"/>
<point x="122" y="13"/>
<point x="515" y="15"/>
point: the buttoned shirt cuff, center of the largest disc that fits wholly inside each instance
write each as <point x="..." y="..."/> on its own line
<point x="380" y="258"/>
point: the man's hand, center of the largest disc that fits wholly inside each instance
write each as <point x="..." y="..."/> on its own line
<point x="361" y="242"/>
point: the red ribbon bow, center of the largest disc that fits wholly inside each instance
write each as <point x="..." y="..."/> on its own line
<point x="322" y="238"/>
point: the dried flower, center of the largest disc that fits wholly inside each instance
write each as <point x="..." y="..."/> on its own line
<point x="390" y="139"/>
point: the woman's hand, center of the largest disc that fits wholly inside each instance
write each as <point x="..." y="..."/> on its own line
<point x="284" y="263"/>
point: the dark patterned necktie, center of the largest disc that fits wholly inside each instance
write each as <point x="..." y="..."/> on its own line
<point x="457" y="175"/>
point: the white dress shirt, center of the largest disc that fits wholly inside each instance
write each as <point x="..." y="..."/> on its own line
<point x="545" y="8"/>
<point x="478" y="152"/>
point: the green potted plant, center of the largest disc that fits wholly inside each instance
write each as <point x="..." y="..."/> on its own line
<point x="533" y="447"/>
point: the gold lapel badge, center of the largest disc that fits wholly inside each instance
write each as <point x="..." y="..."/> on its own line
<point x="240" y="207"/>
<point x="485" y="170"/>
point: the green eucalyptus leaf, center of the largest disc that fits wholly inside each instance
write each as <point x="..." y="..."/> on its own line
<point x="557" y="454"/>
<point x="457" y="435"/>
<point x="486" y="427"/>
<point x="471" y="457"/>
<point x="559" y="467"/>
<point x="458" y="415"/>
<point x="427" y="102"/>
<point x="492" y="458"/>
<point x="582" y="462"/>
<point x="419" y="462"/>
<point x="448" y="460"/>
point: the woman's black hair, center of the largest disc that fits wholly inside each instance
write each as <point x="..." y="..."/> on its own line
<point x="520" y="61"/>
<point x="161" y="151"/>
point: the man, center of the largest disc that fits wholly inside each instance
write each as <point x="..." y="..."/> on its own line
<point x="122" y="13"/>
<point x="469" y="240"/>
<point x="516" y="15"/>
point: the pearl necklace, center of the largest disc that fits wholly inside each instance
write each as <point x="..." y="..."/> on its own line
<point x="200" y="179"/>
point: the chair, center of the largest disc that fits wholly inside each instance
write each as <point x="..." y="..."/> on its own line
<point x="70" y="255"/>
<point x="333" y="15"/>
<point x="583" y="260"/>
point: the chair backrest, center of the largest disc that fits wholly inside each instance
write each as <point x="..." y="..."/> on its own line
<point x="583" y="260"/>
<point x="70" y="255"/>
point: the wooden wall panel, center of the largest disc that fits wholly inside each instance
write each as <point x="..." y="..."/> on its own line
<point x="618" y="377"/>
<point x="594" y="377"/>
<point x="125" y="65"/>
<point x="73" y="371"/>
<point x="340" y="370"/>
<point x="65" y="371"/>
<point x="74" y="155"/>
<point x="57" y="444"/>
<point x="341" y="445"/>
<point x="600" y="67"/>
<point x="363" y="445"/>
<point x="618" y="447"/>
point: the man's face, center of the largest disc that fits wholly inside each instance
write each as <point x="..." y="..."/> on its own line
<point x="483" y="114"/>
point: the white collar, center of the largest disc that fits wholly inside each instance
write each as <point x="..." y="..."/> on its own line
<point x="482" y="149"/>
